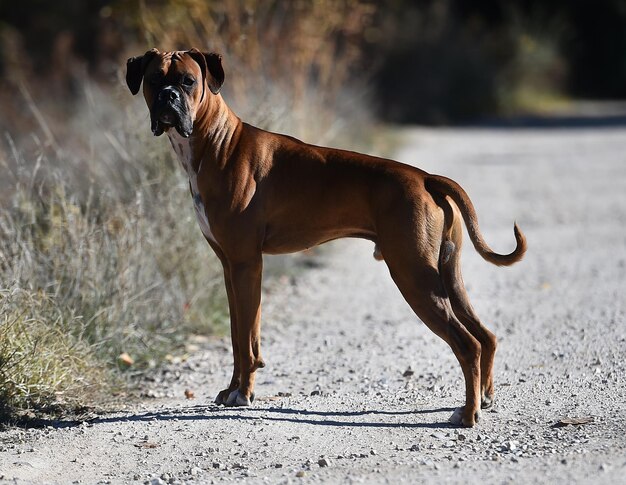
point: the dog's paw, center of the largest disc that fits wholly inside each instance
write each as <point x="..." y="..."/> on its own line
<point x="458" y="418"/>
<point x="222" y="397"/>
<point x="487" y="401"/>
<point x="237" y="398"/>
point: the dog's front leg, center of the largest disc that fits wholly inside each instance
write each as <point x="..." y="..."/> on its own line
<point x="245" y="278"/>
<point x="222" y="397"/>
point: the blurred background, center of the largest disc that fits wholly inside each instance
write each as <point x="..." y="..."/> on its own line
<point x="101" y="278"/>
<point x="426" y="61"/>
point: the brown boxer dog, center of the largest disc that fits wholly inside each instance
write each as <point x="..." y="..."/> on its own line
<point x="258" y="192"/>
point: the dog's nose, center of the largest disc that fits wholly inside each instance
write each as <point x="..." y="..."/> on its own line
<point x="169" y="94"/>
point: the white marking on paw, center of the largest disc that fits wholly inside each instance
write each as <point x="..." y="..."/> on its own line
<point x="182" y="148"/>
<point x="232" y="398"/>
<point x="457" y="416"/>
<point x="242" y="400"/>
<point x="235" y="398"/>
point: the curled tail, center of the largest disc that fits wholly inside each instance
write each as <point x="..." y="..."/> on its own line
<point x="442" y="186"/>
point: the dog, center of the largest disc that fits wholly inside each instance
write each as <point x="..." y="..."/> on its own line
<point x="257" y="192"/>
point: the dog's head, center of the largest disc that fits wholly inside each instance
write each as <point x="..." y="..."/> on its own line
<point x="175" y="84"/>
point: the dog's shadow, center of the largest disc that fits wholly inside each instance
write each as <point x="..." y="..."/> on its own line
<point x="282" y="414"/>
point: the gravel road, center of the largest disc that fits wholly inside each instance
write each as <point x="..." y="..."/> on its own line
<point x="356" y="389"/>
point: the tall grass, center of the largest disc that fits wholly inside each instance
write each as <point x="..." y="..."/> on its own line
<point x="102" y="257"/>
<point x="43" y="364"/>
<point x="100" y="253"/>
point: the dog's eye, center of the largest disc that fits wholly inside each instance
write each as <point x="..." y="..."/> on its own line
<point x="155" y="80"/>
<point x="188" y="81"/>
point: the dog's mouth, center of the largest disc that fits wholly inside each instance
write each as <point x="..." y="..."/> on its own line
<point x="165" y="117"/>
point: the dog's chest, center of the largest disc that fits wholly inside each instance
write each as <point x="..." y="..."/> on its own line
<point x="182" y="148"/>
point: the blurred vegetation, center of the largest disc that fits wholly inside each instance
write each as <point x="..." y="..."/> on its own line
<point x="95" y="258"/>
<point x="447" y="61"/>
<point x="428" y="61"/>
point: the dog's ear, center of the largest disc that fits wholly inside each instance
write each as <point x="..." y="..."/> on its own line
<point x="214" y="63"/>
<point x="211" y="64"/>
<point x="135" y="68"/>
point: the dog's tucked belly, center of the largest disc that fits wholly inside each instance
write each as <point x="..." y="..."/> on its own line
<point x="294" y="239"/>
<point x="182" y="148"/>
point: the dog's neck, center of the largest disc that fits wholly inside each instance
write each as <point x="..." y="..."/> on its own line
<point x="184" y="151"/>
<point x="220" y="129"/>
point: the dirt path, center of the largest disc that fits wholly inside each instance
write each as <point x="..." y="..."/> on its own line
<point x="334" y="404"/>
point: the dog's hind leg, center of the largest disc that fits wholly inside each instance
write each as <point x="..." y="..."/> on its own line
<point x="421" y="286"/>
<point x="450" y="269"/>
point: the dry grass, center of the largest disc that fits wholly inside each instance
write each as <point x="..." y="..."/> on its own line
<point x="43" y="365"/>
<point x="97" y="270"/>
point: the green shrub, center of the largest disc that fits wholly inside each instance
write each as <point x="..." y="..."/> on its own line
<point x="42" y="364"/>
